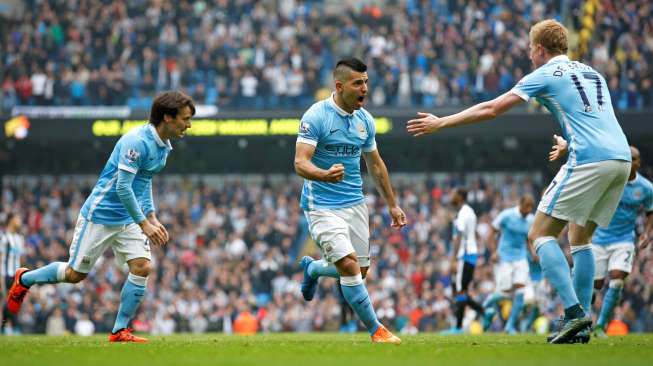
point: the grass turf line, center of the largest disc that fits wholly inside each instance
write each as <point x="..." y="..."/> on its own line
<point x="316" y="349"/>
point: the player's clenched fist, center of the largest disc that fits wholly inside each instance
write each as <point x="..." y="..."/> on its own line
<point x="335" y="174"/>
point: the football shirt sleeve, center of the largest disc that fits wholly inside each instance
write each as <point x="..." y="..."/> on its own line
<point x="309" y="129"/>
<point x="132" y="153"/>
<point x="370" y="143"/>
<point x="531" y="85"/>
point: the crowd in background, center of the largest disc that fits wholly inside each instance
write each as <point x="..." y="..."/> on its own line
<point x="232" y="262"/>
<point x="280" y="53"/>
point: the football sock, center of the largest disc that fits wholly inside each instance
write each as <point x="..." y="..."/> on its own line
<point x="52" y="273"/>
<point x="131" y="297"/>
<point x="556" y="269"/>
<point x="354" y="291"/>
<point x="517" y="306"/>
<point x="610" y="301"/>
<point x="583" y="274"/>
<point x="321" y="268"/>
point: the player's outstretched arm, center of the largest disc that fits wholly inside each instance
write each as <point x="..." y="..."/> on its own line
<point x="428" y="123"/>
<point x="379" y="172"/>
<point x="306" y="169"/>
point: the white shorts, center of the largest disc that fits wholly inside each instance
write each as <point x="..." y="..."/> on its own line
<point x="535" y="292"/>
<point x="509" y="274"/>
<point x="613" y="257"/>
<point x="91" y="240"/>
<point x="588" y="192"/>
<point x="340" y="232"/>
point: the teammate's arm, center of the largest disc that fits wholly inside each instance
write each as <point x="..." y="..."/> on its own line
<point x="492" y="243"/>
<point x="306" y="169"/>
<point x="428" y="123"/>
<point x="456" y="246"/>
<point x="379" y="172"/>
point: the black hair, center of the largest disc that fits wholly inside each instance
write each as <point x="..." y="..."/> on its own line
<point x="348" y="64"/>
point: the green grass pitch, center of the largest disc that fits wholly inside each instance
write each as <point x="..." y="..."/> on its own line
<point x="316" y="349"/>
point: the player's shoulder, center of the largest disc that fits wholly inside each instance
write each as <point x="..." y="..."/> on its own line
<point x="644" y="182"/>
<point x="468" y="211"/>
<point x="316" y="112"/>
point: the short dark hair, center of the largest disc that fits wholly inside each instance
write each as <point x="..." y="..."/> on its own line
<point x="462" y="192"/>
<point x="345" y="65"/>
<point x="169" y="102"/>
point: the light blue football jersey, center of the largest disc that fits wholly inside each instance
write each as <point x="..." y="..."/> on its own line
<point x="338" y="137"/>
<point x="514" y="234"/>
<point x="578" y="96"/>
<point x="141" y="152"/>
<point x="638" y="194"/>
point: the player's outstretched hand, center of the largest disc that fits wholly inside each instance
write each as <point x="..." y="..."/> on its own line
<point x="398" y="217"/>
<point x="335" y="174"/>
<point x="157" y="234"/>
<point x="425" y="124"/>
<point x="559" y="148"/>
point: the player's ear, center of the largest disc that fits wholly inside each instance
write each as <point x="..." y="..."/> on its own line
<point x="339" y="85"/>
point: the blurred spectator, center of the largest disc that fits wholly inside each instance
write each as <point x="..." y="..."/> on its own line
<point x="244" y="53"/>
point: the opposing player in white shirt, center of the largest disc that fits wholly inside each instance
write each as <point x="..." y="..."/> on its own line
<point x="586" y="191"/>
<point x="465" y="255"/>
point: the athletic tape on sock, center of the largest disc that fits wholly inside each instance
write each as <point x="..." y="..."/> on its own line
<point x="61" y="272"/>
<point x="137" y="280"/>
<point x="351" y="280"/>
<point x="537" y="243"/>
<point x="577" y="248"/>
<point x="616" y="283"/>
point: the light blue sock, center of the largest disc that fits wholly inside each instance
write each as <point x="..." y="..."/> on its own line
<point x="492" y="300"/>
<point x="54" y="272"/>
<point x="131" y="297"/>
<point x="532" y="315"/>
<point x="583" y="274"/>
<point x="354" y="291"/>
<point x="610" y="301"/>
<point x="517" y="306"/>
<point x="556" y="269"/>
<point x="322" y="268"/>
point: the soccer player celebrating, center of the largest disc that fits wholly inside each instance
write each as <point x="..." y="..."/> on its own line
<point x="333" y="135"/>
<point x="512" y="270"/>
<point x="614" y="246"/>
<point x="586" y="191"/>
<point x="465" y="254"/>
<point x="119" y="213"/>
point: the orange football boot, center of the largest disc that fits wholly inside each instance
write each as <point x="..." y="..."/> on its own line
<point x="17" y="292"/>
<point x="383" y="335"/>
<point x="125" y="335"/>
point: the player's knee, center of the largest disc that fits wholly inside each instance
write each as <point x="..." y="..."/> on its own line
<point x="142" y="269"/>
<point x="348" y="265"/>
<point x="598" y="284"/>
<point x="364" y="272"/>
<point x="616" y="283"/>
<point x="73" y="276"/>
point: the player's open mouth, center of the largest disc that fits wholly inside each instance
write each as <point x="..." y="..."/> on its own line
<point x="361" y="99"/>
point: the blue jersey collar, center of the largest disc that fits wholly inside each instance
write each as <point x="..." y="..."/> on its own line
<point x="157" y="138"/>
<point x="341" y="112"/>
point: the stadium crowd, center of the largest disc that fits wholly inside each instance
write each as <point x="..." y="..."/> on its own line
<point x="279" y="54"/>
<point x="232" y="262"/>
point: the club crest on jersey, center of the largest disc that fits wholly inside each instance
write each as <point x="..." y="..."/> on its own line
<point x="637" y="194"/>
<point x="132" y="155"/>
<point x="304" y="127"/>
<point x="362" y="131"/>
